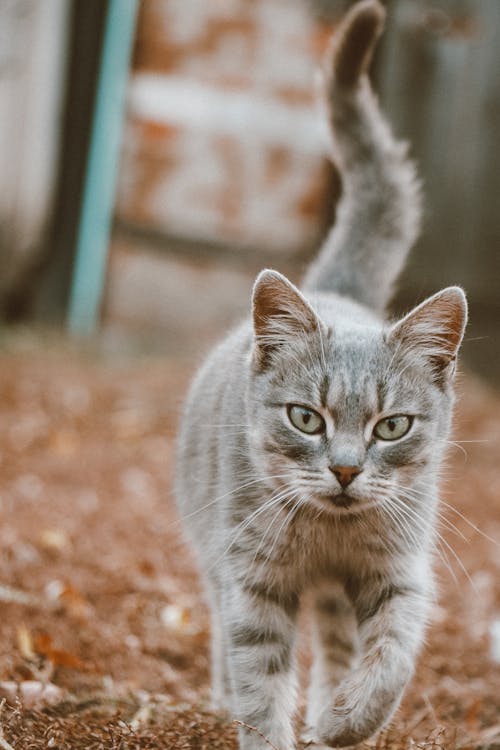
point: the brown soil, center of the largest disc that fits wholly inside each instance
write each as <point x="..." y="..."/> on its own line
<point x="103" y="632"/>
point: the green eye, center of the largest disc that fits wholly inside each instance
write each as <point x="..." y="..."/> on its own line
<point x="306" y="420"/>
<point x="392" y="428"/>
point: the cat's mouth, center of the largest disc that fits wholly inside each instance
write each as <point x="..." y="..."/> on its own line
<point x="339" y="499"/>
<point x="343" y="502"/>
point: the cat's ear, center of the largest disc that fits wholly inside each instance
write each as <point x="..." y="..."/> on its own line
<point x="433" y="331"/>
<point x="280" y="313"/>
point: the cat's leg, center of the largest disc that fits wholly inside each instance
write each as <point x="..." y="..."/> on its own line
<point x="392" y="620"/>
<point x="261" y="626"/>
<point x="335" y="644"/>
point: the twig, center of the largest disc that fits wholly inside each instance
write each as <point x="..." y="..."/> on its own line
<point x="430" y="709"/>
<point x="490" y="732"/>
<point x="142" y="716"/>
<point x="254" y="729"/>
<point x="418" y="719"/>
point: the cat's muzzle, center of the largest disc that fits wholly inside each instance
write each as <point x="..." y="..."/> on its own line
<point x="342" y="500"/>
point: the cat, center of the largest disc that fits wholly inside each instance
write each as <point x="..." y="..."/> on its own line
<point x="310" y="448"/>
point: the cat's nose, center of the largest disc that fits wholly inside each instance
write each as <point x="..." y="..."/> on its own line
<point x="345" y="474"/>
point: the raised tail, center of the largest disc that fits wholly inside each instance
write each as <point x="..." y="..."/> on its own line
<point x="378" y="215"/>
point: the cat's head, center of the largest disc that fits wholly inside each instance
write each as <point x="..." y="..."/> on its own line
<point x="346" y="411"/>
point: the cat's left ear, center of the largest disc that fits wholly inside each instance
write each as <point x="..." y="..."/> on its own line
<point x="433" y="331"/>
<point x="280" y="314"/>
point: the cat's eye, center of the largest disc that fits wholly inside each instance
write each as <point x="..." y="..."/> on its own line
<point x="306" y="420"/>
<point x="392" y="428"/>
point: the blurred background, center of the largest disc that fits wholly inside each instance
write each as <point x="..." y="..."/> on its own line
<point x="214" y="154"/>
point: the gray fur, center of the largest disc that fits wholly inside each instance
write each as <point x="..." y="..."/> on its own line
<point x="378" y="217"/>
<point x="261" y="502"/>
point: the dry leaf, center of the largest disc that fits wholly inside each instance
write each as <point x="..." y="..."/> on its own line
<point x="472" y="715"/>
<point x="69" y="598"/>
<point x="54" y="539"/>
<point x="25" y="643"/>
<point x="75" y="603"/>
<point x="58" y="657"/>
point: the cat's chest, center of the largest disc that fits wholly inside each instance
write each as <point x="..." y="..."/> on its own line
<point x="306" y="550"/>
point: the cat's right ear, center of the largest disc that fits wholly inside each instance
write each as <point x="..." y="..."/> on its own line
<point x="280" y="314"/>
<point x="433" y="331"/>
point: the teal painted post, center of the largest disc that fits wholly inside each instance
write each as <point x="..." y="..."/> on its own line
<point x="102" y="168"/>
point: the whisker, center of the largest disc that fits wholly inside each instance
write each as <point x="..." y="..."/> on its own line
<point x="291" y="499"/>
<point x="226" y="494"/>
<point x="287" y="517"/>
<point x="403" y="521"/>
<point x="472" y="525"/>
<point x="458" y="446"/>
<point x="483" y="440"/>
<point x="275" y="500"/>
<point x="450" y="548"/>
<point x="439" y="548"/>
<point x="451" y="527"/>
<point x="444" y="559"/>
<point x="455" y="510"/>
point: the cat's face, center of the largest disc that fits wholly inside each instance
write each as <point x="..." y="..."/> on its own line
<point x="349" y="427"/>
<point x="345" y="415"/>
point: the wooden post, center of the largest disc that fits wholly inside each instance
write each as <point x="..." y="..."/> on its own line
<point x="102" y="167"/>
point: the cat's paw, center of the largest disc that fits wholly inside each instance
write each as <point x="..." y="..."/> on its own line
<point x="348" y="723"/>
<point x="309" y="740"/>
<point x="336" y="730"/>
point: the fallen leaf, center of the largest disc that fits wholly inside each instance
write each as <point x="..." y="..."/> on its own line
<point x="59" y="657"/>
<point x="25" y="642"/>
<point x="69" y="598"/>
<point x="75" y="603"/>
<point x="54" y="539"/>
<point x="471" y="717"/>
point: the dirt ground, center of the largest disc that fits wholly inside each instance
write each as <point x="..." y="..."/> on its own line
<point x="103" y="631"/>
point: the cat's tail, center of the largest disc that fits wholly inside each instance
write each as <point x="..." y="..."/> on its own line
<point x="378" y="215"/>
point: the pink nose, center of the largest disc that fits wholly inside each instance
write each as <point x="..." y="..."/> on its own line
<point x="345" y="474"/>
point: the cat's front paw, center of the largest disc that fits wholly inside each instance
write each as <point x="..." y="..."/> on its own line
<point x="337" y="730"/>
<point x="310" y="741"/>
<point x="351" y="722"/>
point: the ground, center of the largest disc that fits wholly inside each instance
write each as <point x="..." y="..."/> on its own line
<point x="103" y="631"/>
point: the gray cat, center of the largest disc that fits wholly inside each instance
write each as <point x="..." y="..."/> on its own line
<point x="310" y="449"/>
